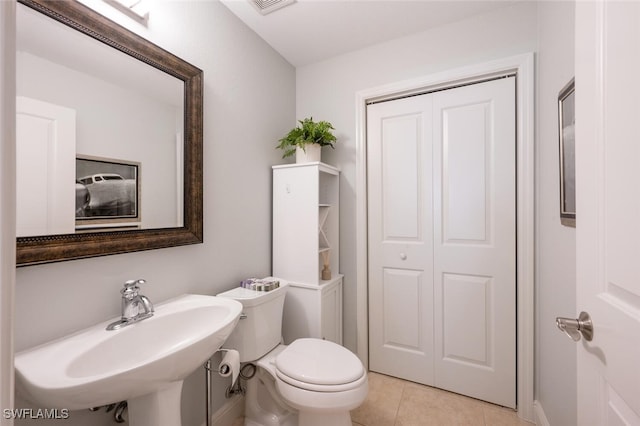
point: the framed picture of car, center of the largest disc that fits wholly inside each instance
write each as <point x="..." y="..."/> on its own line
<point x="107" y="193"/>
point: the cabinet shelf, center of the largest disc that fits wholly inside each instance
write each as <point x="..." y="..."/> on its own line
<point x="323" y="240"/>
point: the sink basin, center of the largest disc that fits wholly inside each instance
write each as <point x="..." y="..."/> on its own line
<point x="143" y="363"/>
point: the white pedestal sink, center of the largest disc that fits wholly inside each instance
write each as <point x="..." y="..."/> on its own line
<point x="143" y="363"/>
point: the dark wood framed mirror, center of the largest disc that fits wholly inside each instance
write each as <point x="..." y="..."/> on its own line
<point x="100" y="240"/>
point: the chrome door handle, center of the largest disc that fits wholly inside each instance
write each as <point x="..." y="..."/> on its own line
<point x="576" y="328"/>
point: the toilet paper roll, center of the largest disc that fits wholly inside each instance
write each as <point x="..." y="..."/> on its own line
<point x="230" y="365"/>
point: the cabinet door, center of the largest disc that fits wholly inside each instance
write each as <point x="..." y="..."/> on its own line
<point x="331" y="314"/>
<point x="295" y="224"/>
<point x="301" y="317"/>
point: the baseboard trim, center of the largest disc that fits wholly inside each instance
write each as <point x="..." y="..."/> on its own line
<point x="230" y="410"/>
<point x="540" y="417"/>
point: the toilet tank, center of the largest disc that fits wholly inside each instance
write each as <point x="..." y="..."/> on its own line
<point x="261" y="330"/>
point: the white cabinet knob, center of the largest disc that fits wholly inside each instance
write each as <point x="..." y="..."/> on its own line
<point x="403" y="256"/>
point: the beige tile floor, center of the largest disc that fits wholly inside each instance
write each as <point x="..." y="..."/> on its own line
<point x="395" y="402"/>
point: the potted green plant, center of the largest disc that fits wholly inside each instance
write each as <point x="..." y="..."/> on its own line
<point x="307" y="139"/>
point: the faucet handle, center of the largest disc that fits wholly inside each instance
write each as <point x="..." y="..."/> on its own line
<point x="131" y="288"/>
<point x="133" y="283"/>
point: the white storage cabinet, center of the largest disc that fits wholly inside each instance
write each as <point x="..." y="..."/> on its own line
<point x="306" y="230"/>
<point x="305" y="221"/>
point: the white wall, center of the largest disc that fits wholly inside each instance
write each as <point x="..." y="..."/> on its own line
<point x="245" y="113"/>
<point x="555" y="244"/>
<point x="327" y="91"/>
<point x="7" y="198"/>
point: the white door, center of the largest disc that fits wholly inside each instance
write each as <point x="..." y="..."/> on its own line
<point x="46" y="168"/>
<point x="400" y="173"/>
<point x="442" y="260"/>
<point x="608" y="210"/>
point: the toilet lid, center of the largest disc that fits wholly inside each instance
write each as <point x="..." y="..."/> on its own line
<point x="319" y="362"/>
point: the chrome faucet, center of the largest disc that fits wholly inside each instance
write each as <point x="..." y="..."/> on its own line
<point x="135" y="307"/>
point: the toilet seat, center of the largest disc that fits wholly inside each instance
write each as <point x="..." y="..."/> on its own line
<point x="321" y="388"/>
<point x="319" y="365"/>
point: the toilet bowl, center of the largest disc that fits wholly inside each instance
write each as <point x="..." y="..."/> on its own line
<point x="311" y="382"/>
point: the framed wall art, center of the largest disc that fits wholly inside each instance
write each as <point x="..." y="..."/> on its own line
<point x="567" y="138"/>
<point x="107" y="192"/>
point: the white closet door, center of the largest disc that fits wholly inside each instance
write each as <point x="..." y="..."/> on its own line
<point x="400" y="238"/>
<point x="475" y="241"/>
<point x="442" y="239"/>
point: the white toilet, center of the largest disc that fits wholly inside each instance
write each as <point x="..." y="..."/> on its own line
<point x="311" y="382"/>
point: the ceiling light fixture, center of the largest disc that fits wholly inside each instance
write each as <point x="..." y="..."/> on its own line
<point x="267" y="6"/>
<point x="138" y="9"/>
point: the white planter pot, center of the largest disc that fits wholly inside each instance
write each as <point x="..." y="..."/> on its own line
<point x="309" y="154"/>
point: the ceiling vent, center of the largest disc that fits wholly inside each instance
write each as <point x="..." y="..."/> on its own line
<point x="267" y="6"/>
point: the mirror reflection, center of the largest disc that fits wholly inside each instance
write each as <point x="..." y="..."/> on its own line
<point x="99" y="135"/>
